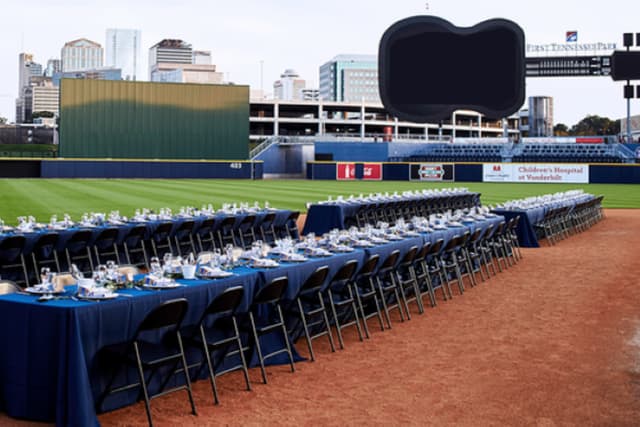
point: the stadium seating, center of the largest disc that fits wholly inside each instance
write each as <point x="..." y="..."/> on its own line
<point x="527" y="152"/>
<point x="578" y="153"/>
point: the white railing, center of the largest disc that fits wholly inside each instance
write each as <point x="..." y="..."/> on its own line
<point x="268" y="142"/>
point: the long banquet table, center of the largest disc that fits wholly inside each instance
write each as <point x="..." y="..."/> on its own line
<point x="151" y="225"/>
<point x="530" y="217"/>
<point x="323" y="217"/>
<point x="48" y="363"/>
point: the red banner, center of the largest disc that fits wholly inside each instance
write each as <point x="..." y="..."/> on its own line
<point x="372" y="171"/>
<point x="592" y="140"/>
<point x="345" y="171"/>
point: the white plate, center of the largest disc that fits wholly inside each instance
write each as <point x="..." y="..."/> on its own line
<point x="320" y="254"/>
<point x="393" y="237"/>
<point x="171" y="285"/>
<point x="40" y="291"/>
<point x="341" y="249"/>
<point x="296" y="259"/>
<point x="215" y="275"/>
<point x="264" y="265"/>
<point x="98" y="297"/>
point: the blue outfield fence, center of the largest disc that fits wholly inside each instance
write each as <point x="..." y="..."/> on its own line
<point x="107" y="168"/>
<point x="461" y="172"/>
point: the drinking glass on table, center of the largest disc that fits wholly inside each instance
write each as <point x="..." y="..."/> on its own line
<point x="155" y="267"/>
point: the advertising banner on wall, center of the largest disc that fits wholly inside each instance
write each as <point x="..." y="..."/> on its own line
<point x="345" y="171"/>
<point x="372" y="171"/>
<point x="533" y="172"/>
<point x="430" y="172"/>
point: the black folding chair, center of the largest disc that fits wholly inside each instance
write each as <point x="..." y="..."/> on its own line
<point x="161" y="239"/>
<point x="78" y="251"/>
<point x="105" y="247"/>
<point x="291" y="226"/>
<point x="219" y="318"/>
<point x="364" y="288"/>
<point x="474" y="253"/>
<point x="206" y="235"/>
<point x="226" y="231"/>
<point x="12" y="259"/>
<point x="44" y="253"/>
<point x="342" y="302"/>
<point x="407" y="281"/>
<point x="269" y="299"/>
<point x="311" y="310"/>
<point x="149" y="356"/>
<point x="183" y="238"/>
<point x="449" y="263"/>
<point x="246" y="231"/>
<point x="134" y="246"/>
<point x="266" y="228"/>
<point x="388" y="286"/>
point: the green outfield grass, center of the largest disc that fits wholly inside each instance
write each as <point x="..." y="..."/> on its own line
<point x="44" y="197"/>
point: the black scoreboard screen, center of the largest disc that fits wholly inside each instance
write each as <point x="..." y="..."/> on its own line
<point x="568" y="66"/>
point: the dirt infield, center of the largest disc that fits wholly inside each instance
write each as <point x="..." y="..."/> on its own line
<point x="554" y="340"/>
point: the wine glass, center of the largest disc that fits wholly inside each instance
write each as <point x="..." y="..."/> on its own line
<point x="154" y="266"/>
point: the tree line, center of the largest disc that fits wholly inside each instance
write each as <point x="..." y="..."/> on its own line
<point x="590" y="125"/>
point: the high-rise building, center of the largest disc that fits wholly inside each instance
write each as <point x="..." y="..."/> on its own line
<point x="27" y="68"/>
<point x="169" y="51"/>
<point x="29" y="72"/>
<point x="289" y="87"/>
<point x="201" y="57"/>
<point x="122" y="50"/>
<point x="81" y="54"/>
<point x="175" y="61"/>
<point x="350" y="78"/>
<point x="53" y="66"/>
<point x="45" y="98"/>
<point x="186" y="73"/>
<point x="310" y="94"/>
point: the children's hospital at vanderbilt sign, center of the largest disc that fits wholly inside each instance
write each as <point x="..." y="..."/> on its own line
<point x="541" y="173"/>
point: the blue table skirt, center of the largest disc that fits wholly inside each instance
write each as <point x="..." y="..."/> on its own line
<point x="527" y="237"/>
<point x="124" y="229"/>
<point x="48" y="364"/>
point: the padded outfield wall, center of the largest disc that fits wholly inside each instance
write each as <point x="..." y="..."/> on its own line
<point x="136" y="120"/>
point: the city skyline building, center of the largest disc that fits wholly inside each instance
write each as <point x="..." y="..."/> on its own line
<point x="289" y="87"/>
<point x="27" y="68"/>
<point x="201" y="57"/>
<point x="168" y="51"/>
<point x="123" y="51"/>
<point x="81" y="54"/>
<point x="350" y="78"/>
<point x="54" y="65"/>
<point x="186" y="73"/>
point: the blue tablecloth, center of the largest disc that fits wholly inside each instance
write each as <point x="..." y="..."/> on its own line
<point x="324" y="217"/>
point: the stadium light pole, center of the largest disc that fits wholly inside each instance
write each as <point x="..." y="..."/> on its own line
<point x="628" y="113"/>
<point x="261" y="76"/>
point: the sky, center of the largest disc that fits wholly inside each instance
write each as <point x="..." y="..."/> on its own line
<point x="302" y="35"/>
